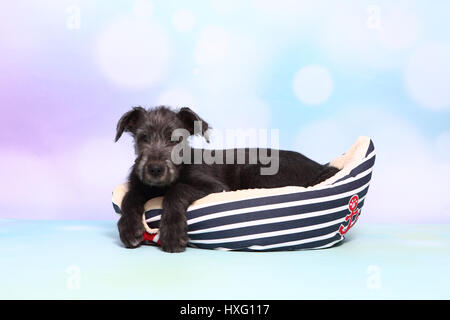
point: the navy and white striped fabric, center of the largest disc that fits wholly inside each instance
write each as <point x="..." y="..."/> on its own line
<point x="306" y="218"/>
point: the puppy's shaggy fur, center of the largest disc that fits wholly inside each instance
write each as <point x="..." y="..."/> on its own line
<point x="156" y="174"/>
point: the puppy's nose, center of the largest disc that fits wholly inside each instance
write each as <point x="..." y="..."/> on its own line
<point x="155" y="170"/>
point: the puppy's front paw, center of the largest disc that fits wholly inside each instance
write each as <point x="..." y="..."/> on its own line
<point x="173" y="243"/>
<point x="173" y="248"/>
<point x="131" y="231"/>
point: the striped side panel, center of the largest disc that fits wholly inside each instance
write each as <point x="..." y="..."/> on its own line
<point x="298" y="233"/>
<point x="298" y="226"/>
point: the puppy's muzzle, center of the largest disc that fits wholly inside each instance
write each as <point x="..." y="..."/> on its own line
<point x="156" y="170"/>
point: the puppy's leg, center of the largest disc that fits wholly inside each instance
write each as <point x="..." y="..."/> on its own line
<point x="173" y="225"/>
<point x="131" y="228"/>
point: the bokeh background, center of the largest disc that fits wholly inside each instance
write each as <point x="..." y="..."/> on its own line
<point x="322" y="72"/>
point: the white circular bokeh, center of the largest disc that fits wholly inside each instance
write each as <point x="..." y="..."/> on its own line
<point x="183" y="20"/>
<point x="142" y="9"/>
<point x="224" y="6"/>
<point x="399" y="28"/>
<point x="442" y="145"/>
<point x="133" y="53"/>
<point x="358" y="35"/>
<point x="349" y="34"/>
<point x="285" y="8"/>
<point x="427" y="76"/>
<point x="313" y="84"/>
<point x="212" y="46"/>
<point x="176" y="97"/>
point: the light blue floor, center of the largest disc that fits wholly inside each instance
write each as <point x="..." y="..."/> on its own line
<point x="84" y="260"/>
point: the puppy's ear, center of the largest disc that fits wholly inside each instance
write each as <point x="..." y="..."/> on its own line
<point x="130" y="121"/>
<point x="188" y="117"/>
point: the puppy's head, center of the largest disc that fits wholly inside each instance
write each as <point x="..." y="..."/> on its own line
<point x="153" y="142"/>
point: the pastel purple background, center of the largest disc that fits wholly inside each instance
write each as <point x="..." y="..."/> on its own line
<point x="70" y="69"/>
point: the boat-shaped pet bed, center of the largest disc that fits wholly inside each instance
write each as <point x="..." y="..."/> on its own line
<point x="286" y="218"/>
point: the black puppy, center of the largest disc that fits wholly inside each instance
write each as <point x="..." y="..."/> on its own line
<point x="156" y="173"/>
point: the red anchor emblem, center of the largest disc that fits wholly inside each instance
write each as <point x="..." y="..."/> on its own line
<point x="352" y="216"/>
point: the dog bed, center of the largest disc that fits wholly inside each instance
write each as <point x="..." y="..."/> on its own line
<point x="286" y="218"/>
